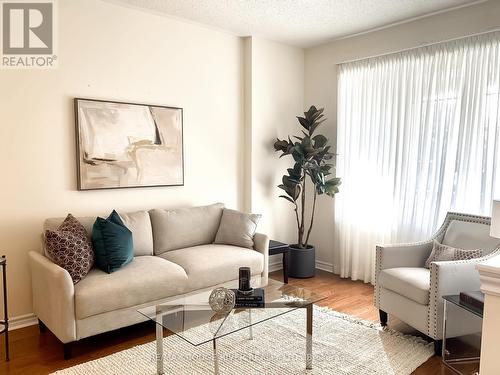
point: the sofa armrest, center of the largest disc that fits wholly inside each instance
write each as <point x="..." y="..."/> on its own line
<point x="448" y="278"/>
<point x="261" y="244"/>
<point x="53" y="296"/>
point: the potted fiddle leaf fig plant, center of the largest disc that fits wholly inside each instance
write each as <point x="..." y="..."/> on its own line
<point x="313" y="163"/>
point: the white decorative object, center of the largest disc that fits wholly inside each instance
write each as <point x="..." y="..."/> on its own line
<point x="495" y="219"/>
<point x="222" y="300"/>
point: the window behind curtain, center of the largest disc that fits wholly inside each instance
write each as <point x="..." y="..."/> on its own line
<point x="418" y="135"/>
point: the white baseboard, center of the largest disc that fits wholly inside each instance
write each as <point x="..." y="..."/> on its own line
<point x="324" y="266"/>
<point x="22" y="321"/>
<point x="275" y="266"/>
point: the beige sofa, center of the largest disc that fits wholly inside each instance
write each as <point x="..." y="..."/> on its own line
<point x="174" y="255"/>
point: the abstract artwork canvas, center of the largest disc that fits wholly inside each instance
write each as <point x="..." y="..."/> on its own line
<point x="122" y="145"/>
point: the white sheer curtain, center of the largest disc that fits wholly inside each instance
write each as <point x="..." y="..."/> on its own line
<point x="418" y="135"/>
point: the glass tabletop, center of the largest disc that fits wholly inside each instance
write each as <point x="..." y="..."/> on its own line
<point x="455" y="299"/>
<point x="191" y="318"/>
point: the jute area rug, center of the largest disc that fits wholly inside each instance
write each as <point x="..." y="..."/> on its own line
<point x="342" y="345"/>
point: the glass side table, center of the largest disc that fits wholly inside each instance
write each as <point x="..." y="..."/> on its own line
<point x="462" y="328"/>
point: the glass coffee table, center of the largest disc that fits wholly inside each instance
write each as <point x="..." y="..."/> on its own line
<point x="191" y="318"/>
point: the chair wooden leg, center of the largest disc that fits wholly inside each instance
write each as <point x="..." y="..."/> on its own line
<point x="41" y="326"/>
<point x="383" y="318"/>
<point x="438" y="347"/>
<point x="67" y="350"/>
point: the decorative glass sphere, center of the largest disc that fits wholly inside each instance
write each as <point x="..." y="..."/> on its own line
<point x="222" y="300"/>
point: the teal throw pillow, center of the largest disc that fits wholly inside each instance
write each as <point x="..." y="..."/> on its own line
<point x="113" y="243"/>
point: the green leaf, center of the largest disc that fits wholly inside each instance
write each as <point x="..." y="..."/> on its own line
<point x="281" y="145"/>
<point x="332" y="186"/>
<point x="304" y="122"/>
<point x="313" y="127"/>
<point x="320" y="141"/>
<point x="287" y="198"/>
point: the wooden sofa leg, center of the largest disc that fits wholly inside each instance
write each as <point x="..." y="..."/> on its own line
<point x="41" y="326"/>
<point x="67" y="350"/>
<point x="438" y="347"/>
<point x="383" y="318"/>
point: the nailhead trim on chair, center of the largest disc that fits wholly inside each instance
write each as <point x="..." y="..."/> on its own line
<point x="378" y="269"/>
<point x="434" y="281"/>
<point x="432" y="313"/>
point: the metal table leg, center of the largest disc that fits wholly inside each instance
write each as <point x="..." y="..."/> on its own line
<point x="159" y="342"/>
<point x="216" y="357"/>
<point x="250" y="327"/>
<point x="309" y="359"/>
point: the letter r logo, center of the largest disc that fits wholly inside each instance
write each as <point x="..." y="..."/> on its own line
<point x="27" y="28"/>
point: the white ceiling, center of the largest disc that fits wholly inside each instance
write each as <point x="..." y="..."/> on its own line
<point x="301" y="23"/>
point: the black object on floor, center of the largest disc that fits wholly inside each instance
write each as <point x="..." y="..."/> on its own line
<point x="383" y="318"/>
<point x="276" y="247"/>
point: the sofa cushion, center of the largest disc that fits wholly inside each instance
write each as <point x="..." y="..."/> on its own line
<point x="138" y="222"/>
<point x="54" y="223"/>
<point x="146" y="279"/>
<point x="185" y="227"/>
<point x="209" y="265"/>
<point x="70" y="248"/>
<point x="113" y="243"/>
<point x="409" y="282"/>
<point x="466" y="235"/>
<point x="237" y="228"/>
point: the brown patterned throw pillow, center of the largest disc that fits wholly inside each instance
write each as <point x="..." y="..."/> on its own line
<point x="70" y="248"/>
<point x="441" y="252"/>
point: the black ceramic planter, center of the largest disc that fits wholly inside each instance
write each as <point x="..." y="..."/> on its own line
<point x="302" y="262"/>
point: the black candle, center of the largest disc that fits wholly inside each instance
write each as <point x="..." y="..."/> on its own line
<point x="244" y="279"/>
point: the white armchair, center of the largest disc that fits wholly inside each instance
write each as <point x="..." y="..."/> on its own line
<point x="406" y="289"/>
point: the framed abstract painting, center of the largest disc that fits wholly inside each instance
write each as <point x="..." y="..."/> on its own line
<point x="123" y="145"/>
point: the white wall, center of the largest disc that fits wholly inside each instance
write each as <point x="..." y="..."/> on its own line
<point x="112" y="52"/>
<point x="321" y="77"/>
<point x="277" y="96"/>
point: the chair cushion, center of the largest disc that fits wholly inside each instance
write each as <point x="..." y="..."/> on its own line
<point x="409" y="282"/>
<point x="209" y="265"/>
<point x="185" y="227"/>
<point x="466" y="235"/>
<point x="146" y="279"/>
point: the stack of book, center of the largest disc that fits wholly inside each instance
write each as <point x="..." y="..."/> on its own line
<point x="253" y="299"/>
<point x="473" y="300"/>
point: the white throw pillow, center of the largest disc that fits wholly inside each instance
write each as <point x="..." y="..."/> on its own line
<point x="237" y="228"/>
<point x="441" y="252"/>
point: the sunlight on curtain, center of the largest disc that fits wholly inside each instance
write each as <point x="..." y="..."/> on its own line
<point x="418" y="135"/>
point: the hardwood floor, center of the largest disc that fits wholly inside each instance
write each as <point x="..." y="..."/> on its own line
<point x="34" y="353"/>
